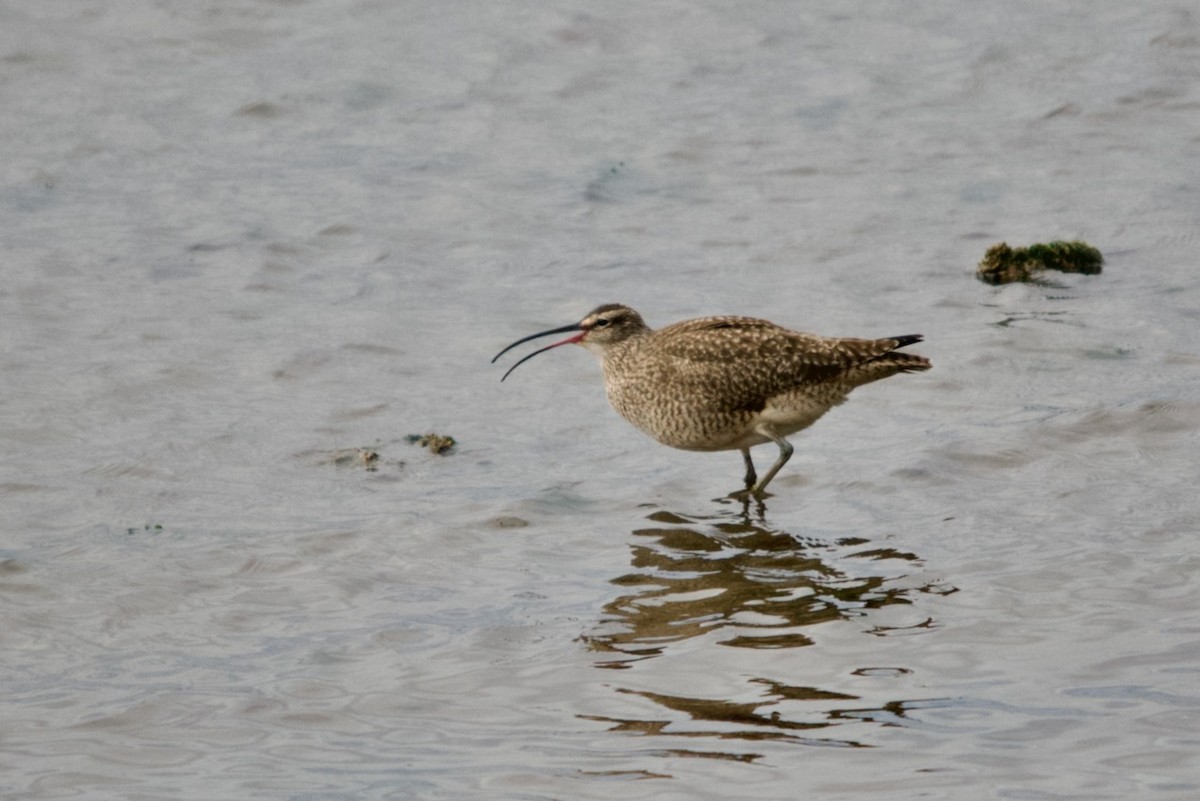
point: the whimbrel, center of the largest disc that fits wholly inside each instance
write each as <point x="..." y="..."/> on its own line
<point x="726" y="383"/>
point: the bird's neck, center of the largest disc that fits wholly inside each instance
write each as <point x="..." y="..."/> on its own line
<point x="615" y="354"/>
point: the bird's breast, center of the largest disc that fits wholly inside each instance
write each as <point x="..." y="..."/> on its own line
<point x="673" y="408"/>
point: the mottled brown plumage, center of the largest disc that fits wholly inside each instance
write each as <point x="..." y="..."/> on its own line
<point x="727" y="383"/>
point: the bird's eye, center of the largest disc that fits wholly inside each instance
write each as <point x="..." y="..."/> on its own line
<point x="602" y="322"/>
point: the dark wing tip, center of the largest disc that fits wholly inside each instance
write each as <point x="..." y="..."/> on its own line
<point x="907" y="339"/>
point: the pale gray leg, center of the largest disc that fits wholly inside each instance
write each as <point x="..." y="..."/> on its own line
<point x="751" y="475"/>
<point x="785" y="453"/>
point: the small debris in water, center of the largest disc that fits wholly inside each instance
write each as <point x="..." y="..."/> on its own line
<point x="1003" y="265"/>
<point x="356" y="456"/>
<point x="437" y="443"/>
<point x="369" y="459"/>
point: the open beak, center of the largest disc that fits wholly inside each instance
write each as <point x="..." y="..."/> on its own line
<point x="568" y="341"/>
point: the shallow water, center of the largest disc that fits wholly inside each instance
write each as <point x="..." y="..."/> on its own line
<point x="243" y="239"/>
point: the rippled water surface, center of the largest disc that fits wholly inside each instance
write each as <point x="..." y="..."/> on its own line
<point x="244" y="240"/>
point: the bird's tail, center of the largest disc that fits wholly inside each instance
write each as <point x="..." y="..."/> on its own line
<point x="904" y="362"/>
<point x="907" y="339"/>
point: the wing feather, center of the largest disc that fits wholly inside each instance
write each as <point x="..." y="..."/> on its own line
<point x="737" y="363"/>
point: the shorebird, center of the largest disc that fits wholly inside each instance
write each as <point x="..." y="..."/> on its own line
<point x="726" y="383"/>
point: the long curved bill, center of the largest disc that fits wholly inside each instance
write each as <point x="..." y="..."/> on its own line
<point x="563" y="330"/>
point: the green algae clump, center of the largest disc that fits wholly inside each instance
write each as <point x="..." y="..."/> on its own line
<point x="1003" y="264"/>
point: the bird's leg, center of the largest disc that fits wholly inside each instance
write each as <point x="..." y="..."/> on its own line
<point x="785" y="453"/>
<point x="751" y="475"/>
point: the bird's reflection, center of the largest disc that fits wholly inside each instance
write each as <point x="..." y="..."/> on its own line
<point x="740" y="583"/>
<point x="751" y="585"/>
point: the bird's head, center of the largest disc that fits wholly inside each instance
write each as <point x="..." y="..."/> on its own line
<point x="603" y="327"/>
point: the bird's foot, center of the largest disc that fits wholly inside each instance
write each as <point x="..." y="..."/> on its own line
<point x="748" y="499"/>
<point x="748" y="494"/>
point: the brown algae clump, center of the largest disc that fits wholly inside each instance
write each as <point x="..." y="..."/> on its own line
<point x="437" y="443"/>
<point x="1003" y="265"/>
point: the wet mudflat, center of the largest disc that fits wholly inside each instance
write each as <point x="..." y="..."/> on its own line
<point x="251" y="247"/>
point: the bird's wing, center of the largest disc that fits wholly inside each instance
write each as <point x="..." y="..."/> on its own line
<point x="743" y="360"/>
